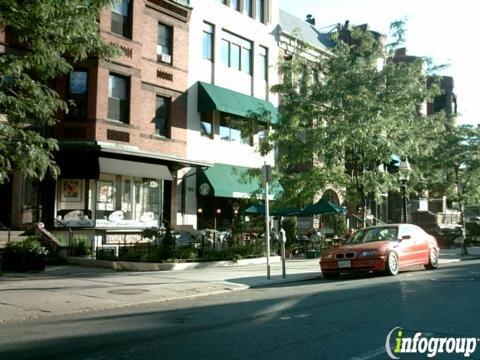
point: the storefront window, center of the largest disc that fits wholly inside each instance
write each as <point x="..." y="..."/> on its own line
<point x="124" y="201"/>
<point x="113" y="201"/>
<point x="74" y="203"/>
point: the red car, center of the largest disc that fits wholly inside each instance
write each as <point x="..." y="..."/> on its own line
<point x="386" y="248"/>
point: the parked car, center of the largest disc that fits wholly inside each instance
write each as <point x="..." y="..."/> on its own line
<point x="386" y="248"/>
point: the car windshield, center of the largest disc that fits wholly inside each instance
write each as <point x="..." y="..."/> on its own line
<point x="374" y="234"/>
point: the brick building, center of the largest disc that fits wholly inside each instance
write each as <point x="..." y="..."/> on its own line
<point x="124" y="142"/>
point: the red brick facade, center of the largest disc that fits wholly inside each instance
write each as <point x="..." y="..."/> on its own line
<point x="148" y="78"/>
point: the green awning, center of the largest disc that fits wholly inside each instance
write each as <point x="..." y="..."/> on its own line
<point x="212" y="97"/>
<point x="231" y="182"/>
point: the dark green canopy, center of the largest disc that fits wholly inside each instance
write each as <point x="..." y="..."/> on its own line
<point x="322" y="207"/>
<point x="212" y="97"/>
<point x="319" y="208"/>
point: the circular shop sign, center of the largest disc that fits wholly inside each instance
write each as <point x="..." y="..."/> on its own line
<point x="204" y="189"/>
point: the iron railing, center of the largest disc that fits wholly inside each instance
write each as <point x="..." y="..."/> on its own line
<point x="70" y="233"/>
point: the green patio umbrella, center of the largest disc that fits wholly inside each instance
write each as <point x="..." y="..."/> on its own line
<point x="260" y="209"/>
<point x="322" y="207"/>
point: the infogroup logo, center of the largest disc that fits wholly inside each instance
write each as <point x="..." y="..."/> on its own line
<point x="397" y="343"/>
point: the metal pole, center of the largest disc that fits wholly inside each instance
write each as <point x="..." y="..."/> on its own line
<point x="464" y="232"/>
<point x="267" y="229"/>
<point x="214" y="231"/>
<point x="404" y="199"/>
<point x="284" y="273"/>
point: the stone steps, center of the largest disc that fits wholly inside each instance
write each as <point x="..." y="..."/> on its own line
<point x="15" y="235"/>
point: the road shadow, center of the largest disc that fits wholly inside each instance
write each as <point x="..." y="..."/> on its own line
<point x="308" y="322"/>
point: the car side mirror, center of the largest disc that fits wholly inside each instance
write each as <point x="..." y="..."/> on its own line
<point x="405" y="237"/>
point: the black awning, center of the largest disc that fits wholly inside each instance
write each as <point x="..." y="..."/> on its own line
<point x="78" y="164"/>
<point x="134" y="168"/>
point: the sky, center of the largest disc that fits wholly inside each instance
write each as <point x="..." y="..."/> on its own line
<point x="441" y="30"/>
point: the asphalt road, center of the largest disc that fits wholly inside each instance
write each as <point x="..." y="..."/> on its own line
<point x="345" y="319"/>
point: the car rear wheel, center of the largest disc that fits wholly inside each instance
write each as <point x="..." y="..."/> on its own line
<point x="432" y="260"/>
<point x="392" y="265"/>
<point x="330" y="276"/>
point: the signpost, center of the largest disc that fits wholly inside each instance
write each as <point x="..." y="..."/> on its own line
<point x="267" y="174"/>
<point x="283" y="240"/>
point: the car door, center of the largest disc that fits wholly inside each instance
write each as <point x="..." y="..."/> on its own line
<point x="418" y="246"/>
<point x="406" y="246"/>
<point x="422" y="248"/>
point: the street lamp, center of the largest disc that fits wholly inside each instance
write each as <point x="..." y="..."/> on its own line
<point x="235" y="208"/>
<point x="404" y="170"/>
<point x="218" y="212"/>
<point x="200" y="212"/>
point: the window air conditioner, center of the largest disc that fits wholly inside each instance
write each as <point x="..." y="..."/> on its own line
<point x="166" y="58"/>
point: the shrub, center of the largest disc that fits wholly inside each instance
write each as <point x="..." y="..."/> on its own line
<point x="79" y="246"/>
<point x="185" y="252"/>
<point x="166" y="250"/>
<point x="24" y="256"/>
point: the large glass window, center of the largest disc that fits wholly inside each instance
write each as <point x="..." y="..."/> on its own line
<point x="260" y="11"/>
<point x="246" y="60"/>
<point x="164" y="43"/>
<point x="234" y="129"/>
<point x="262" y="63"/>
<point x="207" y="41"/>
<point x="235" y="4"/>
<point x="124" y="201"/>
<point x="247" y="7"/>
<point x="75" y="202"/>
<point x="118" y="98"/>
<point x="225" y="51"/>
<point x="260" y="131"/>
<point x="77" y="92"/>
<point x="235" y="56"/>
<point x="121" y="18"/>
<point x="236" y="52"/>
<point x="162" y="116"/>
<point x="206" y="124"/>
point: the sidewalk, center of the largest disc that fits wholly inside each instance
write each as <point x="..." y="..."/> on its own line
<point x="70" y="288"/>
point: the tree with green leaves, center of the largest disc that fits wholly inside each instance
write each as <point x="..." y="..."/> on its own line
<point x="453" y="168"/>
<point x="45" y="38"/>
<point x="344" y="116"/>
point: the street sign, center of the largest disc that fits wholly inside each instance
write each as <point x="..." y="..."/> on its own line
<point x="267" y="173"/>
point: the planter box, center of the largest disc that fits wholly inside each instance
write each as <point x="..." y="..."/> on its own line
<point x="23" y="261"/>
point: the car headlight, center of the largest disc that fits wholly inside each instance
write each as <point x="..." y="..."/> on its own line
<point x="369" y="253"/>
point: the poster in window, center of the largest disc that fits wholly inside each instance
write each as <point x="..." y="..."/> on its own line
<point x="105" y="192"/>
<point x="71" y="190"/>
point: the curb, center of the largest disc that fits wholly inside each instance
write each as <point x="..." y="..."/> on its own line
<point x="146" y="266"/>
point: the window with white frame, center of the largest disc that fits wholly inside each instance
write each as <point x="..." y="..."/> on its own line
<point x="235" y="4"/>
<point x="236" y="52"/>
<point x="247" y="7"/>
<point x="207" y="48"/>
<point x="260" y="11"/>
<point x="164" y="43"/>
<point x="262" y="63"/>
